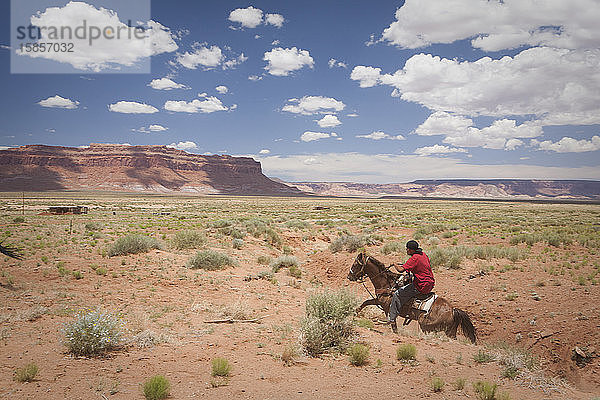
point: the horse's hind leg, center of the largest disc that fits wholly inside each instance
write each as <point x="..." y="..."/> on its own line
<point x="370" y="302"/>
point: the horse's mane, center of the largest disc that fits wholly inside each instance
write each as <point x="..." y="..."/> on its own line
<point x="389" y="274"/>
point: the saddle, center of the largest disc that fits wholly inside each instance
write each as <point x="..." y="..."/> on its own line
<point x="417" y="306"/>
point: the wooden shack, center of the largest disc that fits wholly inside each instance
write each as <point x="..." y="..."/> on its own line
<point x="60" y="210"/>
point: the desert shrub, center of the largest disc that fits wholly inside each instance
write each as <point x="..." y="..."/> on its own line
<point x="482" y="357"/>
<point x="288" y="355"/>
<point x="237" y="244"/>
<point x="437" y="384"/>
<point x="428" y="229"/>
<point x="392" y="247"/>
<point x="297" y="224"/>
<point x="282" y="262"/>
<point x="433" y="241"/>
<point x="93" y="226"/>
<point x="19" y="220"/>
<point x="222" y="223"/>
<point x="459" y="383"/>
<point x="273" y="237"/>
<point x="349" y="243"/>
<point x="26" y="373"/>
<point x="220" y="367"/>
<point x="132" y="244"/>
<point x="209" y="260"/>
<point x="406" y="352"/>
<point x="188" y="239"/>
<point x="156" y="388"/>
<point x="485" y="390"/>
<point x="358" y="354"/>
<point x="264" y="260"/>
<point x="93" y="333"/>
<point x="327" y="324"/>
<point x="101" y="271"/>
<point x="256" y="227"/>
<point x="295" y="272"/>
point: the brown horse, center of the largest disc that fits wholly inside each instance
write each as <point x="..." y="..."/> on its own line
<point x="441" y="317"/>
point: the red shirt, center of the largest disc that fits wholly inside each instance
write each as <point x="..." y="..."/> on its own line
<point x="418" y="264"/>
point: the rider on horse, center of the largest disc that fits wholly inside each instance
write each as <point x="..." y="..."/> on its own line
<point x="423" y="282"/>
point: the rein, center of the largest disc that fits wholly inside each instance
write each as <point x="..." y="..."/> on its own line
<point x="365" y="276"/>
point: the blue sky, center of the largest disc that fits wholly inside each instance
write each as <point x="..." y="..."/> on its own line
<point x="325" y="91"/>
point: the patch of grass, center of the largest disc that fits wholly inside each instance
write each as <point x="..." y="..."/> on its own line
<point x="157" y="388"/>
<point x="327" y="324"/>
<point x="406" y="352"/>
<point x="482" y="357"/>
<point x="132" y="244"/>
<point x="26" y="373"/>
<point x="437" y="384"/>
<point x="101" y="271"/>
<point x="264" y="260"/>
<point x="510" y="372"/>
<point x="188" y="239"/>
<point x="77" y="274"/>
<point x="283" y="261"/>
<point x="358" y="354"/>
<point x="295" y="272"/>
<point x="209" y="260"/>
<point x="485" y="390"/>
<point x="392" y="247"/>
<point x="237" y="244"/>
<point x="93" y="333"/>
<point x="364" y="323"/>
<point x="288" y="355"/>
<point x="220" y="367"/>
<point x="93" y="226"/>
<point x="459" y="383"/>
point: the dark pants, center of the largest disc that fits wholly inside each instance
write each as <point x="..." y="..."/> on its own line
<point x="399" y="298"/>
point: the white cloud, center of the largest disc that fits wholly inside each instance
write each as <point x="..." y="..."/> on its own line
<point x="183" y="145"/>
<point x="5" y="47"/>
<point x="335" y="63"/>
<point x="59" y="102"/>
<point x="264" y="151"/>
<point x="207" y="57"/>
<point x="329" y="121"/>
<point x="151" y="128"/>
<point x="459" y="131"/>
<point x="283" y="61"/>
<point x="208" y="105"/>
<point x="132" y="107"/>
<point x="249" y="17"/>
<point x="570" y="145"/>
<point x="309" y="105"/>
<point x="495" y="25"/>
<point x="437" y="149"/>
<point x="222" y="89"/>
<point x="378" y="135"/>
<point x="165" y="84"/>
<point x="103" y="53"/>
<point x="352" y="115"/>
<point x="274" y="19"/>
<point x="387" y="168"/>
<point x="234" y="62"/>
<point x="558" y="86"/>
<point x="313" y="136"/>
<point x="255" y="78"/>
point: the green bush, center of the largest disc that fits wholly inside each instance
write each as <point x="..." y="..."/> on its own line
<point x="358" y="354"/>
<point x="485" y="390"/>
<point x="264" y="260"/>
<point x="282" y="262"/>
<point x="237" y="244"/>
<point x="406" y="352"/>
<point x="327" y="324"/>
<point x="26" y="373"/>
<point x="392" y="247"/>
<point x="437" y="384"/>
<point x="93" y="333"/>
<point x="482" y="357"/>
<point x="93" y="226"/>
<point x="19" y="220"/>
<point x="295" y="272"/>
<point x="209" y="260"/>
<point x="220" y="367"/>
<point x="297" y="224"/>
<point x="188" y="240"/>
<point x="349" y="243"/>
<point x="156" y="388"/>
<point x="133" y="244"/>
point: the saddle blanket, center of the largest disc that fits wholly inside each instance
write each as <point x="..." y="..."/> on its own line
<point x="424" y="305"/>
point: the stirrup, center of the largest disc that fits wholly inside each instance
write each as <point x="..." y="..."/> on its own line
<point x="406" y="321"/>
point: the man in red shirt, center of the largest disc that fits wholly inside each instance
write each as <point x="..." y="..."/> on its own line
<point x="418" y="264"/>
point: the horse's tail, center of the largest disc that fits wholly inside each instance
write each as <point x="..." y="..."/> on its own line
<point x="462" y="318"/>
<point x="11" y="251"/>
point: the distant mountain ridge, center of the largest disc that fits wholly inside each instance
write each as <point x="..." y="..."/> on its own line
<point x="517" y="189"/>
<point x="110" y="167"/>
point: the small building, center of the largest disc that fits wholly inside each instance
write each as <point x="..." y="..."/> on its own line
<point x="60" y="210"/>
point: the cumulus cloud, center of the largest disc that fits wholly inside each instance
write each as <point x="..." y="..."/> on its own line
<point x="459" y="131"/>
<point x="437" y="149"/>
<point x="329" y="121"/>
<point x="207" y="57"/>
<point x="570" y="145"/>
<point x="378" y="135"/>
<point x="495" y="25"/>
<point x="255" y="78"/>
<point x="274" y="19"/>
<point x="264" y="151"/>
<point x="558" y="86"/>
<point x="283" y="61"/>
<point x="59" y="102"/>
<point x="388" y="168"/>
<point x="210" y="104"/>
<point x="187" y="145"/>
<point x="309" y="105"/>
<point x="234" y="62"/>
<point x="332" y="63"/>
<point x="104" y="54"/>
<point x="249" y="17"/>
<point x="309" y="136"/>
<point x="151" y="129"/>
<point x="132" y="107"/>
<point x="222" y="89"/>
<point x="165" y="84"/>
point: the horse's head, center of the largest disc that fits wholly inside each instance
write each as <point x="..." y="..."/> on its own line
<point x="357" y="270"/>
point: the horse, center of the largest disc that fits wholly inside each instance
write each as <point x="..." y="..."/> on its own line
<point x="441" y="317"/>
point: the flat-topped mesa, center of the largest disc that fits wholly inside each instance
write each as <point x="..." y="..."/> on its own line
<point x="123" y="167"/>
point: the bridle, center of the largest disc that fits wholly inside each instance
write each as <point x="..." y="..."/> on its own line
<point x="360" y="274"/>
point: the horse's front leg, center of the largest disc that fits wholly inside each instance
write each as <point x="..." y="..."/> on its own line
<point x="370" y="302"/>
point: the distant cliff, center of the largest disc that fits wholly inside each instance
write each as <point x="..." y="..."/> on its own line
<point x="509" y="189"/>
<point x="132" y="168"/>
